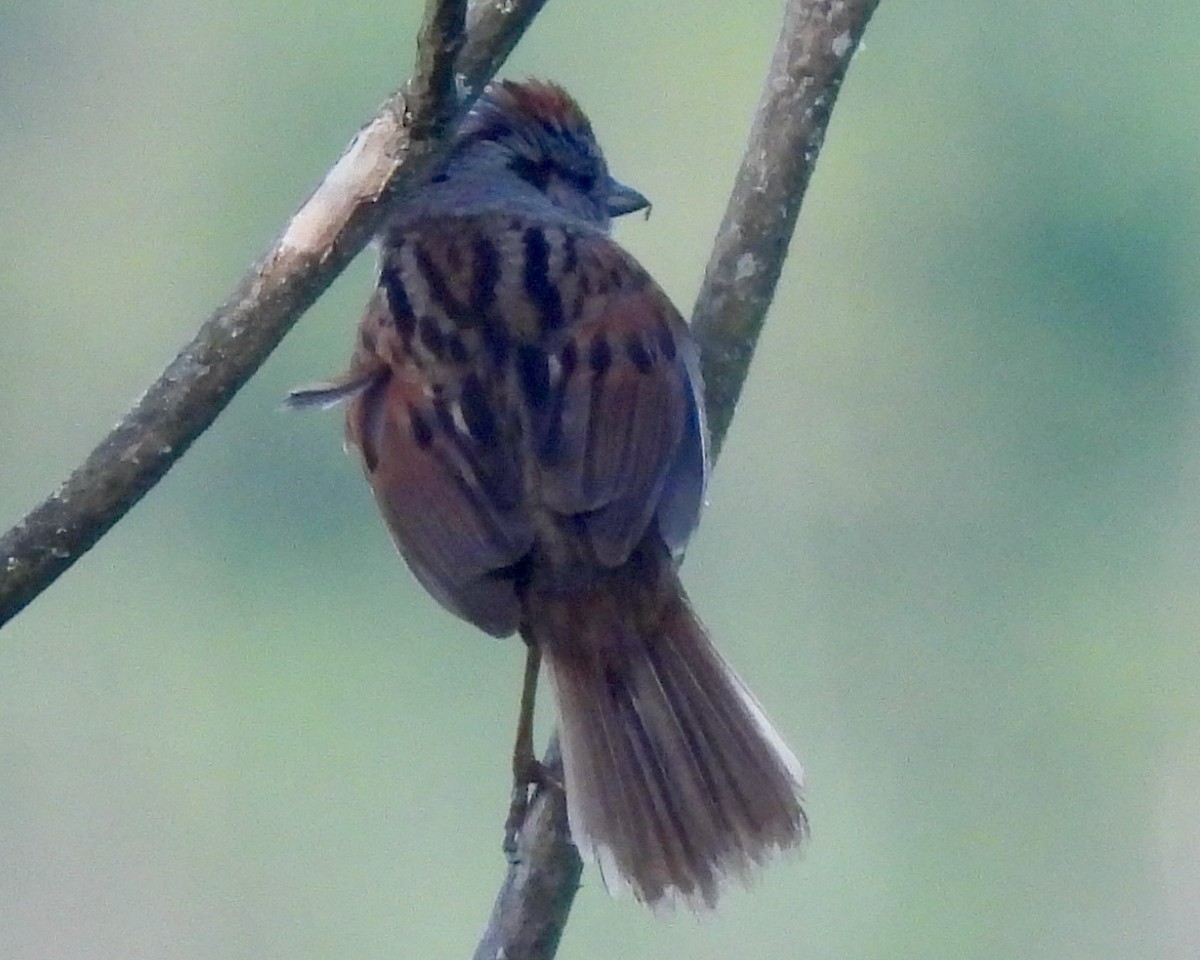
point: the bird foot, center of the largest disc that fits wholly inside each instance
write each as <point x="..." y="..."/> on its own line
<point x="529" y="776"/>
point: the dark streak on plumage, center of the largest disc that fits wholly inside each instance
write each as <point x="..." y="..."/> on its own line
<point x="370" y="407"/>
<point x="484" y="277"/>
<point x="496" y="341"/>
<point x="533" y="368"/>
<point x="600" y="356"/>
<point x="432" y="336"/>
<point x="569" y="360"/>
<point x="398" y="303"/>
<point x="457" y="349"/>
<point x="519" y="573"/>
<point x="421" y="430"/>
<point x="445" y="415"/>
<point x="435" y="280"/>
<point x="542" y="292"/>
<point x="532" y="172"/>
<point x="570" y="253"/>
<point x="454" y="258"/>
<point x="639" y="356"/>
<point x="477" y="411"/>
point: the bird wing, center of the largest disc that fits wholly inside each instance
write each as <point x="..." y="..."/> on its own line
<point x="623" y="438"/>
<point x="449" y="496"/>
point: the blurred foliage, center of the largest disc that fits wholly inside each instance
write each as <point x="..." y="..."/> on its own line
<point x="952" y="542"/>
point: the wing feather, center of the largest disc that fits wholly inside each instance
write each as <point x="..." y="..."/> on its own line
<point x="456" y="525"/>
<point x="624" y="406"/>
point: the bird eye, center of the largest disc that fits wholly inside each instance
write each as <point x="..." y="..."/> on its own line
<point x="581" y="180"/>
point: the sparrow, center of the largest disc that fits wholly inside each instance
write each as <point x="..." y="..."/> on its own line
<point x="527" y="406"/>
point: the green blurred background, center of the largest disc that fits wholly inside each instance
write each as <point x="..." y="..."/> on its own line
<point x="952" y="542"/>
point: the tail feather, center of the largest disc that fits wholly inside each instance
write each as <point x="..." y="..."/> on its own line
<point x="675" y="778"/>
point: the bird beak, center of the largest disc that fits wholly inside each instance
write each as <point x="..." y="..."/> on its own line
<point x="623" y="199"/>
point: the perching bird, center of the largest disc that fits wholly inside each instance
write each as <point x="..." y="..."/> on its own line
<point x="527" y="404"/>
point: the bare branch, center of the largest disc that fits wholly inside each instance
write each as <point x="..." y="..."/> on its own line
<point x="532" y="907"/>
<point x="438" y="45"/>
<point x="393" y="152"/>
<point x="814" y="49"/>
<point x="815" y="46"/>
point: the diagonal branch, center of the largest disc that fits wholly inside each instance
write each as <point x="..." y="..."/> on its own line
<point x="817" y="41"/>
<point x="815" y="45"/>
<point x="531" y="908"/>
<point x="389" y="155"/>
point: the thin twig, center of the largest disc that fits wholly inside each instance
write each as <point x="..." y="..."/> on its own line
<point x="393" y="152"/>
<point x="814" y="49"/>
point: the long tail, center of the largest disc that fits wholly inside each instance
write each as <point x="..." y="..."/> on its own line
<point x="675" y="778"/>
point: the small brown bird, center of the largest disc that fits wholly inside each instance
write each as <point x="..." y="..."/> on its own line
<point x="527" y="405"/>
